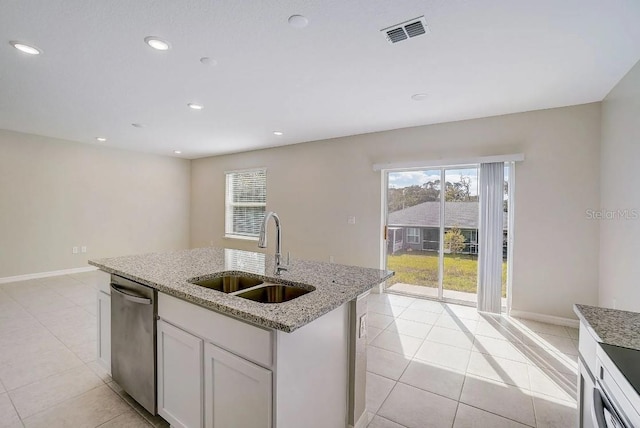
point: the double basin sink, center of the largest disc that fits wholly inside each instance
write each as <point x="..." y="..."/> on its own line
<point x="252" y="288"/>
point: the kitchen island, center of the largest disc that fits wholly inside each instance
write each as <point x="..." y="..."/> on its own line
<point x="225" y="360"/>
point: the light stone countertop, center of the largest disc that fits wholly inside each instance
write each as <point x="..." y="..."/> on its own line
<point x="169" y="272"/>
<point x="611" y="326"/>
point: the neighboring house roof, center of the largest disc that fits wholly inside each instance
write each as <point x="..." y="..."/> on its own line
<point x="427" y="214"/>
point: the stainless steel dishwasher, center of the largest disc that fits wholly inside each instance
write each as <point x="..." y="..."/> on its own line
<point x="134" y="309"/>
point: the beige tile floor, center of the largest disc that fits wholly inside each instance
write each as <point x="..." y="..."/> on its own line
<point x="442" y="365"/>
<point x="429" y="364"/>
<point x="48" y="373"/>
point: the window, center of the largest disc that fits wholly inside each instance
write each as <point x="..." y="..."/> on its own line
<point x="413" y="235"/>
<point x="246" y="199"/>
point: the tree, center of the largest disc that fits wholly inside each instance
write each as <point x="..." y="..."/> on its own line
<point x="405" y="197"/>
<point x="454" y="240"/>
<point x="459" y="191"/>
<point x="432" y="190"/>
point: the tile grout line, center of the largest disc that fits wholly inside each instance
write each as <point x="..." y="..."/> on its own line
<point x="496" y="414"/>
<point x="63" y="401"/>
<point x="527" y="362"/>
<point x="54" y="374"/>
<point x="103" y="382"/>
<point x="67" y="399"/>
<point x="15" y="409"/>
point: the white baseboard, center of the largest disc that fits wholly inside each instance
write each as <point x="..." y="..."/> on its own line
<point x="363" y="421"/>
<point x="17" y="278"/>
<point x="549" y="319"/>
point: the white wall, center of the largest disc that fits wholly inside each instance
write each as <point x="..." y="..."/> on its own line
<point x="315" y="186"/>
<point x="620" y="190"/>
<point x="57" y="194"/>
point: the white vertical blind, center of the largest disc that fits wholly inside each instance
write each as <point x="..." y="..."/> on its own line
<point x="246" y="199"/>
<point x="490" y="241"/>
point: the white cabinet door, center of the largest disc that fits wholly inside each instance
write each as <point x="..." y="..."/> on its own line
<point x="179" y="376"/>
<point x="104" y="330"/>
<point x="237" y="393"/>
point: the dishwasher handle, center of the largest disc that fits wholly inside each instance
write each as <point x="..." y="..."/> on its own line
<point x="131" y="297"/>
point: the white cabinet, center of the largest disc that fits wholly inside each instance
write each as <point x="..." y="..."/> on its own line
<point x="250" y="376"/>
<point x="104" y="330"/>
<point x="236" y="391"/>
<point x="179" y="376"/>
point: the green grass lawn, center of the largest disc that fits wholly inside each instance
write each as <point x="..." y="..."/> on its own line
<point x="421" y="268"/>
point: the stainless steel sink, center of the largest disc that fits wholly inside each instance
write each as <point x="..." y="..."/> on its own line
<point x="273" y="293"/>
<point x="228" y="283"/>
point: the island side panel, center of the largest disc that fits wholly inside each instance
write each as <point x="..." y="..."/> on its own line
<point x="103" y="325"/>
<point x="312" y="366"/>
<point x="357" y="413"/>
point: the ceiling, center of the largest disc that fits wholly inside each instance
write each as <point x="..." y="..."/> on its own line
<point x="338" y="76"/>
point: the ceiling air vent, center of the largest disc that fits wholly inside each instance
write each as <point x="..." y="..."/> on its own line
<point x="406" y="30"/>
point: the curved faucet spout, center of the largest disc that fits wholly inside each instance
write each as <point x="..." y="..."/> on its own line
<point x="262" y="240"/>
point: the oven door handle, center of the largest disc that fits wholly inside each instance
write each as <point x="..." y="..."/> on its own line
<point x="600" y="403"/>
<point x="131" y="297"/>
<point x="598" y="409"/>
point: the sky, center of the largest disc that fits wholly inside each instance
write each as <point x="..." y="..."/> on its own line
<point x="398" y="180"/>
<point x="408" y="178"/>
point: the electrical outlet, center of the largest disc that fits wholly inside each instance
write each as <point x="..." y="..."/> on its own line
<point x="83" y="249"/>
<point x="363" y="326"/>
<point x="351" y="220"/>
<point x="331" y="259"/>
<point x="615" y="304"/>
<point x="74" y="250"/>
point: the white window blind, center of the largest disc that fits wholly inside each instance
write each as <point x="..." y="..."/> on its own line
<point x="244" y="261"/>
<point x="245" y="202"/>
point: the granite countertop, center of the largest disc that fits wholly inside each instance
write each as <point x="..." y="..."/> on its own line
<point x="611" y="326"/>
<point x="169" y="272"/>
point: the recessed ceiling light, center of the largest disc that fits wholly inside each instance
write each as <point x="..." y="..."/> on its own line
<point x="177" y="152"/>
<point x="101" y="139"/>
<point x="298" y="21"/>
<point x="195" y="106"/>
<point x="208" y="61"/>
<point x="23" y="47"/>
<point x="137" y="125"/>
<point x="419" y="97"/>
<point x="278" y="133"/>
<point x="157" y="43"/>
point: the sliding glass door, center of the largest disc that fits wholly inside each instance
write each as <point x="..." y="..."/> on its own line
<point x="432" y="232"/>
<point x="413" y="231"/>
<point x="461" y="208"/>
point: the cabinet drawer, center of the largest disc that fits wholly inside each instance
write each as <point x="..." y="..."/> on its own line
<point x="249" y="341"/>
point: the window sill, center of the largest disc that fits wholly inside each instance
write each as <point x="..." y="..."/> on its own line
<point x="241" y="237"/>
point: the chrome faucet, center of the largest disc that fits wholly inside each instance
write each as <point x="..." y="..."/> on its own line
<point x="262" y="241"/>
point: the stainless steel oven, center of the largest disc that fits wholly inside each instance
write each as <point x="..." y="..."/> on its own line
<point x="616" y="400"/>
<point x="134" y="308"/>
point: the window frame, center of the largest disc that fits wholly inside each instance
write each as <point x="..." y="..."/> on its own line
<point x="229" y="204"/>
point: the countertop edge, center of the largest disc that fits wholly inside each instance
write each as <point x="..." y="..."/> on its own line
<point x="245" y="316"/>
<point x="611" y="326"/>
